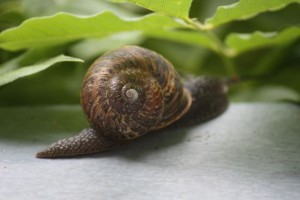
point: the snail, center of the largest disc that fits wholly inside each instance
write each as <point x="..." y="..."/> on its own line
<point x="133" y="91"/>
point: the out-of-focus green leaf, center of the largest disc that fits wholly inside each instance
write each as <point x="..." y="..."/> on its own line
<point x="40" y="121"/>
<point x="187" y="37"/>
<point x="175" y="8"/>
<point x="10" y="76"/>
<point x="266" y="93"/>
<point x="245" y="42"/>
<point x="244" y="9"/>
<point x="95" y="47"/>
<point x="10" y="19"/>
<point x="10" y="65"/>
<point x="38" y="8"/>
<point x="62" y="28"/>
<point x="9" y="6"/>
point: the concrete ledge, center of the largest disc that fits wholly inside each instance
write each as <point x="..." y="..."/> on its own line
<point x="250" y="152"/>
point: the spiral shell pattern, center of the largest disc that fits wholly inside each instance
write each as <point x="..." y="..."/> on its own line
<point x="131" y="91"/>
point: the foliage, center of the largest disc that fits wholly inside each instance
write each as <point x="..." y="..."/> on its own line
<point x="12" y="75"/>
<point x="256" y="41"/>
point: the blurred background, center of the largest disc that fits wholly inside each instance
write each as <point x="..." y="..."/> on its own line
<point x="271" y="74"/>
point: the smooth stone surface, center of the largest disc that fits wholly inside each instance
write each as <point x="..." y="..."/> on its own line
<point x="250" y="152"/>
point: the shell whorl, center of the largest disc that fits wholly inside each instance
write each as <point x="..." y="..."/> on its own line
<point x="131" y="91"/>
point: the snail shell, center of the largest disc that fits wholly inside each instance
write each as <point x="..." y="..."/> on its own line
<point x="131" y="91"/>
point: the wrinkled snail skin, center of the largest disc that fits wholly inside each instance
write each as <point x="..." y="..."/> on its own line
<point x="133" y="91"/>
<point x="86" y="142"/>
<point x="209" y="99"/>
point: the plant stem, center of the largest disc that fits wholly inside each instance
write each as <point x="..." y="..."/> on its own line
<point x="223" y="52"/>
<point x="220" y="49"/>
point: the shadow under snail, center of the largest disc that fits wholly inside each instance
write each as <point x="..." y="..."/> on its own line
<point x="133" y="91"/>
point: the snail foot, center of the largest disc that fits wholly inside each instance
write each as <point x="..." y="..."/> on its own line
<point x="87" y="142"/>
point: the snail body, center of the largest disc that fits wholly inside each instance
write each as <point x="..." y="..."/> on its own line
<point x="133" y="91"/>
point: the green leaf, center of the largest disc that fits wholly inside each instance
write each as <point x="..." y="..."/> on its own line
<point x="265" y="93"/>
<point x="63" y="28"/>
<point x="10" y="19"/>
<point x="244" y="9"/>
<point x="10" y="76"/>
<point x="175" y="8"/>
<point x="38" y="8"/>
<point x="95" y="47"/>
<point x="10" y="65"/>
<point x="245" y="42"/>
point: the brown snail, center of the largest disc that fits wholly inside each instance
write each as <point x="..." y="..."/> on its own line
<point x="133" y="91"/>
